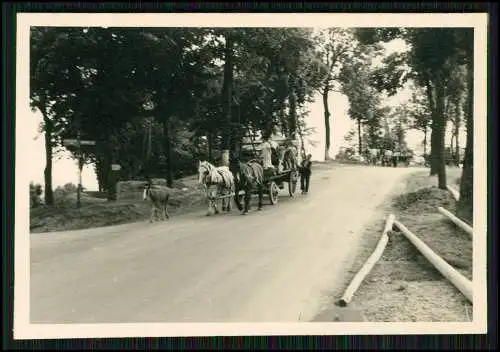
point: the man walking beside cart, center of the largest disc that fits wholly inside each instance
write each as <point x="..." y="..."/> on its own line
<point x="305" y="174"/>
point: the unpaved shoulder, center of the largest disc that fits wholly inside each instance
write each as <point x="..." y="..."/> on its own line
<point x="403" y="285"/>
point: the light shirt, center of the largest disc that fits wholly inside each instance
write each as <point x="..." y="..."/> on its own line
<point x="266" y="152"/>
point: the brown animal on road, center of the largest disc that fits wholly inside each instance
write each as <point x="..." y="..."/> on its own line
<point x="159" y="196"/>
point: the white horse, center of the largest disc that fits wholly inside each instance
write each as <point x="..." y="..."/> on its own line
<point x="219" y="181"/>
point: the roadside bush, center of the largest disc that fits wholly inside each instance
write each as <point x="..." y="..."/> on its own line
<point x="35" y="194"/>
<point x="65" y="194"/>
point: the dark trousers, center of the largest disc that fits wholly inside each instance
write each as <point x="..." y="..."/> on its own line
<point x="395" y="161"/>
<point x="304" y="181"/>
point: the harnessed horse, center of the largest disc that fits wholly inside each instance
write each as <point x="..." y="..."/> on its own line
<point x="248" y="176"/>
<point x="218" y="181"/>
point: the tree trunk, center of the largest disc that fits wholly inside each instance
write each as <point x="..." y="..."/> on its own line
<point x="210" y="146"/>
<point x="99" y="170"/>
<point x="327" y="123"/>
<point x="292" y="119"/>
<point x="49" y="195"/>
<point x="440" y="138"/>
<point x="465" y="204"/>
<point x="227" y="98"/>
<point x="452" y="137"/>
<point x="433" y="158"/>
<point x="80" y="186"/>
<point x="359" y="137"/>
<point x="434" y="146"/>
<point x="457" y="144"/>
<point x="168" y="150"/>
<point x="425" y="141"/>
<point x="372" y="131"/>
<point x="284" y="121"/>
<point x="99" y="182"/>
<point x="235" y="145"/>
<point x="108" y="160"/>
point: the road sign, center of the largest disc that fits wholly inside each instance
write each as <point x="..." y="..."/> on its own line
<point x="70" y="142"/>
<point x="74" y="142"/>
<point x="116" y="167"/>
<point x="87" y="142"/>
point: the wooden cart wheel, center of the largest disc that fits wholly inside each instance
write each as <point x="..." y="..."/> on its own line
<point x="273" y="192"/>
<point x="292" y="182"/>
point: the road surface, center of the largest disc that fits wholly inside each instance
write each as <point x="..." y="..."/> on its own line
<point x="274" y="265"/>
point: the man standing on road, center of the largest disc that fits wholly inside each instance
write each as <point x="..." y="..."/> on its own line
<point x="305" y="174"/>
<point x="395" y="157"/>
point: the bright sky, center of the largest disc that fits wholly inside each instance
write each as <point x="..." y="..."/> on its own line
<point x="65" y="169"/>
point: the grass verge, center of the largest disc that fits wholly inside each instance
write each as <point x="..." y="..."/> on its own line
<point x="403" y="286"/>
<point x="97" y="212"/>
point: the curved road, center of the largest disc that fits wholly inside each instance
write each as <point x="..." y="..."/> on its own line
<point x="273" y="265"/>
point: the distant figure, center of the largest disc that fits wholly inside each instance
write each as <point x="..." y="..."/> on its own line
<point x="395" y="158"/>
<point x="387" y="157"/>
<point x="373" y="155"/>
<point x="305" y="174"/>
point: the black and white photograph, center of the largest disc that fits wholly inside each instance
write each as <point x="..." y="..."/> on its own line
<point x="246" y="174"/>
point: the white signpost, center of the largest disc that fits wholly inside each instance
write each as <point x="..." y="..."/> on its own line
<point x="74" y="142"/>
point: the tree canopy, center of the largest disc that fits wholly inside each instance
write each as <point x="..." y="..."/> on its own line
<point x="439" y="61"/>
<point x="157" y="99"/>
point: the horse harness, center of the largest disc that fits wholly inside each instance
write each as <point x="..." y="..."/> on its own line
<point x="215" y="183"/>
<point x="208" y="184"/>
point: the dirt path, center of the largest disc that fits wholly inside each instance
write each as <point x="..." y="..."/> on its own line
<point x="274" y="265"/>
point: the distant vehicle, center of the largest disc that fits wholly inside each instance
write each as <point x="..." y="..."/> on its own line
<point x="418" y="160"/>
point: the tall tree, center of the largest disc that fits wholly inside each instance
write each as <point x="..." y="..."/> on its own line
<point x="270" y="79"/>
<point x="455" y="104"/>
<point x="375" y="125"/>
<point x="336" y="47"/>
<point x="465" y="204"/>
<point x="419" y="114"/>
<point x="53" y="83"/>
<point x="363" y="98"/>
<point x="227" y="91"/>
<point x="432" y="59"/>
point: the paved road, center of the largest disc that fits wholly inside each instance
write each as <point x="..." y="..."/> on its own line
<point x="273" y="265"/>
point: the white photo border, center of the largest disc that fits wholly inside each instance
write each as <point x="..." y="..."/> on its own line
<point x="23" y="329"/>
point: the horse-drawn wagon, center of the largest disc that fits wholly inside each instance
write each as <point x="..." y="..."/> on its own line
<point x="251" y="173"/>
<point x="285" y="160"/>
